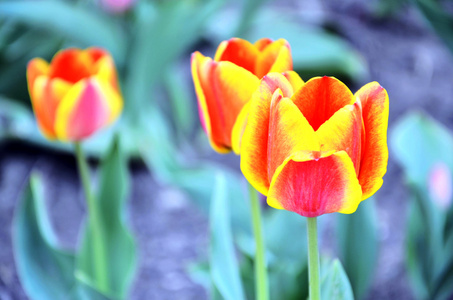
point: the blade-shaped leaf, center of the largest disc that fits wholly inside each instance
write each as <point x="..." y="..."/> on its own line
<point x="118" y="244"/>
<point x="223" y="262"/>
<point x="70" y="20"/>
<point x="439" y="18"/>
<point x="335" y="283"/>
<point x="45" y="271"/>
<point x="358" y="246"/>
<point x="419" y="143"/>
<point x="165" y="30"/>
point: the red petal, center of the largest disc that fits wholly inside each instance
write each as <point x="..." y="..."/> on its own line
<point x="254" y="141"/>
<point x="375" y="112"/>
<point x="343" y="131"/>
<point x="320" y="97"/>
<point x="312" y="184"/>
<point x="238" y="51"/>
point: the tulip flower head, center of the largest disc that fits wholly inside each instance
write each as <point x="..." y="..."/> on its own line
<point x="118" y="6"/>
<point x="318" y="150"/>
<point x="76" y="94"/>
<point x="225" y="84"/>
<point x="440" y="185"/>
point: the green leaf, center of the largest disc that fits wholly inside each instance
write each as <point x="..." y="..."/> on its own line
<point x="285" y="228"/>
<point x="223" y="262"/>
<point x="418" y="259"/>
<point x="45" y="270"/>
<point x="440" y="20"/>
<point x="117" y="242"/>
<point x="419" y="142"/>
<point x="335" y="283"/>
<point x="358" y="246"/>
<point x="69" y="20"/>
<point x="181" y="100"/>
<point x="164" y="31"/>
<point x="443" y="288"/>
<point x="315" y="52"/>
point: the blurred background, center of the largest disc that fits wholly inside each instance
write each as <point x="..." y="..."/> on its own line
<point x="404" y="45"/>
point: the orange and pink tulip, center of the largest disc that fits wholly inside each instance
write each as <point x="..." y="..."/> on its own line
<point x="225" y="84"/>
<point x="75" y="95"/>
<point x="317" y="150"/>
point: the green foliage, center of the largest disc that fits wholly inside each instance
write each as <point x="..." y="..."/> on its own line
<point x="441" y="21"/>
<point x="418" y="143"/>
<point x="163" y="32"/>
<point x="358" y="246"/>
<point x="68" y="20"/>
<point x="45" y="270"/>
<point x="335" y="283"/>
<point x="48" y="272"/>
<point x="223" y="263"/>
<point x="118" y="243"/>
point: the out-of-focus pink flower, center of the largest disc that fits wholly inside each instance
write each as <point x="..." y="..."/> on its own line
<point x="117" y="6"/>
<point x="440" y="185"/>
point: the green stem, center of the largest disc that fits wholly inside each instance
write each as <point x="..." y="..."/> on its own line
<point x="313" y="259"/>
<point x="93" y="219"/>
<point x="261" y="281"/>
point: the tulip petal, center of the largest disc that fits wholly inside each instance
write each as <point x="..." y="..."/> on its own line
<point x="35" y="68"/>
<point x="71" y="65"/>
<point x="314" y="183"/>
<point x="262" y="43"/>
<point x="238" y="51"/>
<point x="201" y="71"/>
<point x="86" y="108"/>
<point x="105" y="70"/>
<point x="253" y="145"/>
<point x="268" y="85"/>
<point x="275" y="57"/>
<point x="375" y="112"/>
<point x="320" y="97"/>
<point x="289" y="132"/>
<point x="96" y="53"/>
<point x="222" y="89"/>
<point x="45" y="97"/>
<point x="239" y="128"/>
<point x="294" y="79"/>
<point x="343" y="131"/>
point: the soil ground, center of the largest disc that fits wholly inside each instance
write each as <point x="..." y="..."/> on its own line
<point x="404" y="56"/>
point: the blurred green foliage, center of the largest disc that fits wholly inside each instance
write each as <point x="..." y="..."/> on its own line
<point x="358" y="246"/>
<point x="286" y="256"/>
<point x="48" y="272"/>
<point x="151" y="45"/>
<point x="419" y="143"/>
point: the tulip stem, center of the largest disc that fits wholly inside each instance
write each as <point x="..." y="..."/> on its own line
<point x="100" y="264"/>
<point x="261" y="281"/>
<point x="313" y="259"/>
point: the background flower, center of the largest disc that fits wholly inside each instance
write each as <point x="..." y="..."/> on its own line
<point x="224" y="84"/>
<point x="76" y="94"/>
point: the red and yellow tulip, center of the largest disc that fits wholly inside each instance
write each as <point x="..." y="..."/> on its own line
<point x="225" y="84"/>
<point x="318" y="150"/>
<point x="76" y="94"/>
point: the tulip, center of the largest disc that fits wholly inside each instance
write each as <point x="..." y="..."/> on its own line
<point x="440" y="185"/>
<point x="317" y="151"/>
<point x="118" y="6"/>
<point x="76" y="94"/>
<point x="225" y="84"/>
